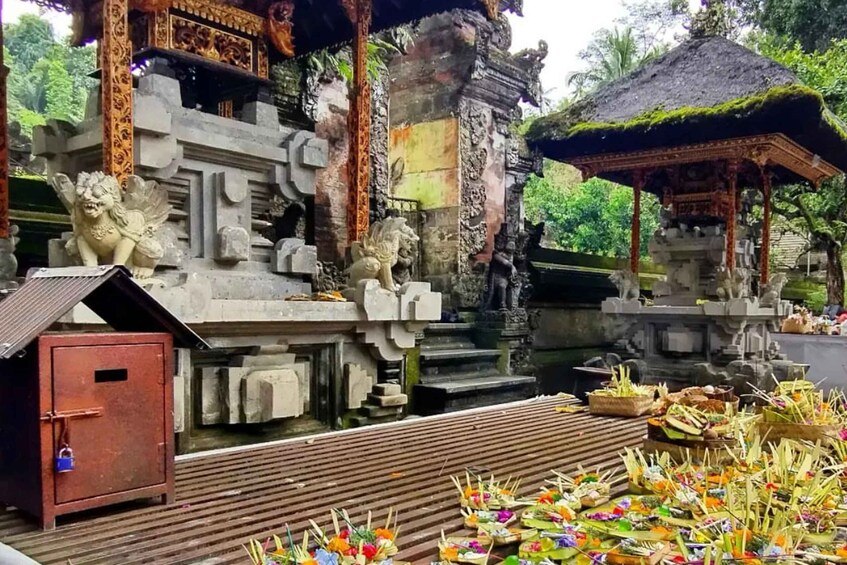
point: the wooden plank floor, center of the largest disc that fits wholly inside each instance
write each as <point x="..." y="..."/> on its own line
<point x="228" y="498"/>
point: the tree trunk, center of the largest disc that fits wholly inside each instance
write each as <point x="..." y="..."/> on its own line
<point x="834" y="274"/>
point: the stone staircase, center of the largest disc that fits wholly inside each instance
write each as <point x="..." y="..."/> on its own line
<point x="385" y="403"/>
<point x="456" y="375"/>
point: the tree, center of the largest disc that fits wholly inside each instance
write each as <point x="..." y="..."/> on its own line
<point x="591" y="217"/>
<point x="811" y="23"/>
<point x="823" y="213"/>
<point x="613" y="54"/>
<point x="48" y="78"/>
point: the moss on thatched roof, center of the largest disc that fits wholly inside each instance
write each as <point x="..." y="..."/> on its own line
<point x="704" y="90"/>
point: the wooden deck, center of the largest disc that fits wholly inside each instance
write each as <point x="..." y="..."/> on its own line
<point x="227" y="498"/>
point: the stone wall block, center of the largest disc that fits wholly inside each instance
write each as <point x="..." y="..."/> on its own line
<point x="271" y="395"/>
<point x="357" y="385"/>
<point x="211" y="399"/>
<point x="233" y="244"/>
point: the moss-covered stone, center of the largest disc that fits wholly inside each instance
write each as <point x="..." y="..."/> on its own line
<point x="413" y="370"/>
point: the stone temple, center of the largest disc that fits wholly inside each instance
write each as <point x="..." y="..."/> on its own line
<point x="291" y="219"/>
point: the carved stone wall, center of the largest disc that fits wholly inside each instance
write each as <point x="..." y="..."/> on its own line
<point x="330" y="105"/>
<point x="460" y="66"/>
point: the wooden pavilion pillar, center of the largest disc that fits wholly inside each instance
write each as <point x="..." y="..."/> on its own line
<point x="765" y="257"/>
<point x="733" y="167"/>
<point x="359" y="123"/>
<point x="638" y="179"/>
<point x="116" y="90"/>
<point x="4" y="144"/>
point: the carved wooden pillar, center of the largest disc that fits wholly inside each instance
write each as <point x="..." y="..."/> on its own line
<point x="4" y="145"/>
<point x="635" y="233"/>
<point x="116" y="89"/>
<point x="359" y="123"/>
<point x="731" y="212"/>
<point x="765" y="257"/>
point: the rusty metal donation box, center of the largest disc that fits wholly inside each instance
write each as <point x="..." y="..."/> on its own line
<point x="87" y="421"/>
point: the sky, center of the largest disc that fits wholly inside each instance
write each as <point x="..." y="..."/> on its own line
<point x="566" y="25"/>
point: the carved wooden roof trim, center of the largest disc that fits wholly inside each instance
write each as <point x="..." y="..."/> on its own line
<point x="765" y="150"/>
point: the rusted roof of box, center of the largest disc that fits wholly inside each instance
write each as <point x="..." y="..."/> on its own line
<point x="108" y="290"/>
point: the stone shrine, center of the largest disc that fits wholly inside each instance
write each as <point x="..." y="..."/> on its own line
<point x="708" y="152"/>
<point x="216" y="193"/>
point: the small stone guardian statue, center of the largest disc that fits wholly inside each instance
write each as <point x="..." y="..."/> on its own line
<point x="8" y="262"/>
<point x="114" y="226"/>
<point x="733" y="284"/>
<point x="771" y="293"/>
<point x="378" y="252"/>
<point x="503" y="277"/>
<point x="627" y="283"/>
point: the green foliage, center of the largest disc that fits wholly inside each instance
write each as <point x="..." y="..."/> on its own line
<point x="47" y="78"/>
<point x="811" y="23"/>
<point x="612" y="54"/>
<point x="591" y="217"/>
<point x="380" y="50"/>
<point x="816" y="300"/>
<point x="825" y="72"/>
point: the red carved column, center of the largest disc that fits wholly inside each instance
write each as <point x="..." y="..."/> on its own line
<point x="4" y="144"/>
<point x="731" y="212"/>
<point x="116" y="88"/>
<point x="766" y="227"/>
<point x="635" y="233"/>
<point x="359" y="123"/>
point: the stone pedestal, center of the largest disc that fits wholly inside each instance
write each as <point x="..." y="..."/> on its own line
<point x="711" y="343"/>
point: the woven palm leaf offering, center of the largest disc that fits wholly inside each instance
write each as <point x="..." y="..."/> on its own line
<point x="473" y="551"/>
<point x="477" y="518"/>
<point x="572" y="541"/>
<point x="589" y="488"/>
<point x="358" y="545"/>
<point x="705" y="399"/>
<point x="798" y="410"/>
<point x="275" y="552"/>
<point x="705" y="432"/>
<point x="632" y="552"/>
<point x="486" y="495"/>
<point x="637" y="517"/>
<point x="622" y="397"/>
<point x="504" y="535"/>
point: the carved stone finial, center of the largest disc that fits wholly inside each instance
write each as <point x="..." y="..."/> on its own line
<point x="112" y="226"/>
<point x="281" y="27"/>
<point x="379" y="251"/>
<point x="711" y="21"/>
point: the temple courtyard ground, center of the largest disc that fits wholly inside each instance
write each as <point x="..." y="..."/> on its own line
<point x="226" y="498"/>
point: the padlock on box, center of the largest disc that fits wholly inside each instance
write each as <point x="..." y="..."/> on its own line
<point x="65" y="460"/>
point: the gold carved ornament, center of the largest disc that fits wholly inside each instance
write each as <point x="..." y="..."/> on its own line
<point x="116" y="88"/>
<point x="492" y="8"/>
<point x="150" y="6"/>
<point x="359" y="123"/>
<point x="210" y="43"/>
<point x="281" y="26"/>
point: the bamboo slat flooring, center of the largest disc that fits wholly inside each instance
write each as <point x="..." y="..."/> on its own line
<point x="225" y="499"/>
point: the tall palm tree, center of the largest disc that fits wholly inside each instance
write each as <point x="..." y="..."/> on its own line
<point x="613" y="55"/>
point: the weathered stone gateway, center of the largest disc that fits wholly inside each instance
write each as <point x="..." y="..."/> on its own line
<point x="239" y="183"/>
<point x="710" y="138"/>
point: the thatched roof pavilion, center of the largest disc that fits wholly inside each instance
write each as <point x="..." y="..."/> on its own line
<point x="702" y="91"/>
<point x="709" y="103"/>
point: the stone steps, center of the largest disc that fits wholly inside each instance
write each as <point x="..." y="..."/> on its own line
<point x="471" y="393"/>
<point x="455" y="374"/>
